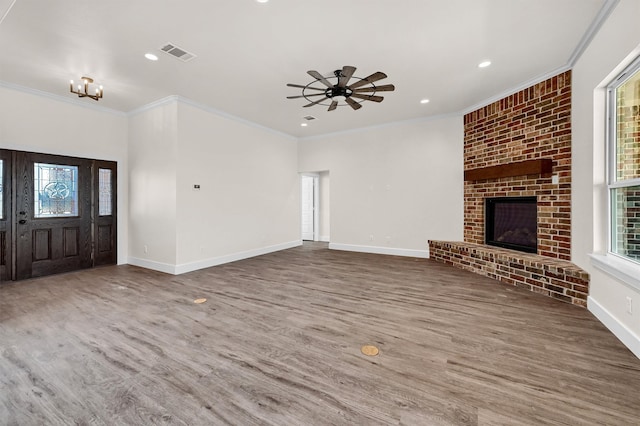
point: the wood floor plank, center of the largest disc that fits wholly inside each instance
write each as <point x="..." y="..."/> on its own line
<point x="278" y="342"/>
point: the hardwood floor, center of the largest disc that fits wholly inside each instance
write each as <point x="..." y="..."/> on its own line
<point x="278" y="342"/>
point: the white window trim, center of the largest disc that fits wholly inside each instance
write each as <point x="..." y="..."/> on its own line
<point x="623" y="268"/>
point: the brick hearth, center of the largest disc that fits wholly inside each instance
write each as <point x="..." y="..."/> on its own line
<point x="556" y="278"/>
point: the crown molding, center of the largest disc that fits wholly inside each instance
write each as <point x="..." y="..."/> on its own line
<point x="593" y="29"/>
<point x="155" y="104"/>
<point x="235" y="118"/>
<point x="58" y="98"/>
<point x="380" y="126"/>
<point x="211" y="110"/>
<point x="516" y="89"/>
<point x="7" y="12"/>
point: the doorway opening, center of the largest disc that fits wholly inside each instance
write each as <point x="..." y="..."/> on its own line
<point x="310" y="203"/>
<point x="315" y="206"/>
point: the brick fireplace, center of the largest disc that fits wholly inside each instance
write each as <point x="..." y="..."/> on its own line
<point x="520" y="146"/>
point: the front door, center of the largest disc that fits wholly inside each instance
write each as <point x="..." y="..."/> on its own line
<point x="53" y="214"/>
<point x="57" y="214"/>
<point x="5" y="215"/>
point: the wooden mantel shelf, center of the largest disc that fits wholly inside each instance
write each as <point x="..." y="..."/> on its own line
<point x="542" y="166"/>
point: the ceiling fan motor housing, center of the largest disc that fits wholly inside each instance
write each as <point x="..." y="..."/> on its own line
<point x="338" y="91"/>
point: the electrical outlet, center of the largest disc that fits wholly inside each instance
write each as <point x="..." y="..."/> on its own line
<point x="371" y="237"/>
<point x="629" y="306"/>
<point x="146" y="249"/>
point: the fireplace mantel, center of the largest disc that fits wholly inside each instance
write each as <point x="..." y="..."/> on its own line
<point x="541" y="166"/>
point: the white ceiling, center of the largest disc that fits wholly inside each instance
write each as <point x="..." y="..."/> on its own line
<point x="248" y="51"/>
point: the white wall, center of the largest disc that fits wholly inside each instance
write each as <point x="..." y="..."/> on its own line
<point x="32" y="122"/>
<point x="249" y="197"/>
<point x="393" y="187"/>
<point x="614" y="46"/>
<point x="153" y="150"/>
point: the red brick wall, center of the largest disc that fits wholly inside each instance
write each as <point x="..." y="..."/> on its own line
<point x="531" y="124"/>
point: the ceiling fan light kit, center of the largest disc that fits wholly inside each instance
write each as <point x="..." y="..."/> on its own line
<point x="363" y="89"/>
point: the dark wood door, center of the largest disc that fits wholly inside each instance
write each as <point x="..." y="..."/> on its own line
<point x="52" y="213"/>
<point x="5" y="216"/>
<point x="105" y="212"/>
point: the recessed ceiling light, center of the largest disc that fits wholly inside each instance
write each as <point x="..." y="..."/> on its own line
<point x="151" y="56"/>
<point x="424" y="101"/>
<point x="484" y="64"/>
<point x="262" y="1"/>
<point x="303" y="124"/>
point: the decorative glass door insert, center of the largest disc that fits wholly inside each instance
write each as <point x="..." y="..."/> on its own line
<point x="104" y="192"/>
<point x="55" y="190"/>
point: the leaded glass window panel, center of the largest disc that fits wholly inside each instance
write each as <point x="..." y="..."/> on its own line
<point x="105" y="192"/>
<point x="55" y="190"/>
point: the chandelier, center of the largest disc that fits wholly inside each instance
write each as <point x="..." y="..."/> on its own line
<point x="83" y="89"/>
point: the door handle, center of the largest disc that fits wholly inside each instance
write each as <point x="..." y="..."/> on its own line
<point x="22" y="221"/>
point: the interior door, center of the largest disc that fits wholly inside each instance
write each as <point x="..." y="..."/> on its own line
<point x="52" y="214"/>
<point x="307" y="208"/>
<point x="5" y="216"/>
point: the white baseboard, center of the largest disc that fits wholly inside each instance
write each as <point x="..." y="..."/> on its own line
<point x="214" y="261"/>
<point x="324" y="239"/>
<point x="381" y="250"/>
<point x="167" y="268"/>
<point x="621" y="331"/>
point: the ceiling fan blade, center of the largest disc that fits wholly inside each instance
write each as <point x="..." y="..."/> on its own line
<point x="316" y="102"/>
<point x="345" y="75"/>
<point x="318" y="76"/>
<point x="306" y="96"/>
<point x="300" y="86"/>
<point x="333" y="106"/>
<point x="383" y="88"/>
<point x="353" y="104"/>
<point x="368" y="97"/>
<point x="367" y="80"/>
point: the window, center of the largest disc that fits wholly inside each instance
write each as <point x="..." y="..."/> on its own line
<point x="55" y="190"/>
<point x="624" y="163"/>
<point x="104" y="190"/>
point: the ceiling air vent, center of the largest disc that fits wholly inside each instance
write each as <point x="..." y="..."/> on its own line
<point x="178" y="52"/>
<point x="309" y="117"/>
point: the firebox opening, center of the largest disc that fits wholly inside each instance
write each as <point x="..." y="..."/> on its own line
<point x="512" y="222"/>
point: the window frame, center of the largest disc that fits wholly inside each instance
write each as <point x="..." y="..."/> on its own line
<point x="611" y="155"/>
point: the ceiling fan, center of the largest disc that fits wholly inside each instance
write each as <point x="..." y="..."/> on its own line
<point x="363" y="89"/>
